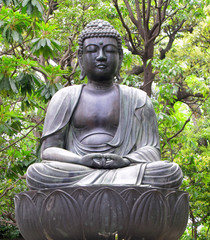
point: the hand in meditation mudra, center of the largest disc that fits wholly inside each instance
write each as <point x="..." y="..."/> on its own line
<point x="101" y="132"/>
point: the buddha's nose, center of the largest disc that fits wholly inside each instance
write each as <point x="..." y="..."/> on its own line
<point x="101" y="56"/>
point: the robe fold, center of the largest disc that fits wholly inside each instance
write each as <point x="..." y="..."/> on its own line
<point x="136" y="139"/>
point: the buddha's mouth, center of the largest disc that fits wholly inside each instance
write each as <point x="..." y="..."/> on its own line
<point x="101" y="66"/>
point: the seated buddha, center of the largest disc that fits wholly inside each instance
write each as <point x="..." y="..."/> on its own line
<point x="101" y="132"/>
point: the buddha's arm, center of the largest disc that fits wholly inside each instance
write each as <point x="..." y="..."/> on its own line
<point x="94" y="160"/>
<point x="144" y="154"/>
<point x="59" y="154"/>
<point x="53" y="149"/>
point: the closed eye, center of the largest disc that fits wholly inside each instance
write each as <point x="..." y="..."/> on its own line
<point x="91" y="48"/>
<point x="110" y="48"/>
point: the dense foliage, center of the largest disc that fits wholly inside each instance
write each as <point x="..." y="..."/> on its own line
<point x="167" y="54"/>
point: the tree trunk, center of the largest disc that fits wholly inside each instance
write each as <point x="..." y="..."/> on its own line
<point x="195" y="233"/>
<point x="194" y="226"/>
<point x="147" y="65"/>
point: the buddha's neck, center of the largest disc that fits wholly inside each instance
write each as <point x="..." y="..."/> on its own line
<point x="96" y="85"/>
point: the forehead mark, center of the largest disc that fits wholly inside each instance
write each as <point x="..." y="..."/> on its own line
<point x="101" y="42"/>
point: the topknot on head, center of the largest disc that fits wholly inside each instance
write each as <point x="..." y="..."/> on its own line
<point x="99" y="28"/>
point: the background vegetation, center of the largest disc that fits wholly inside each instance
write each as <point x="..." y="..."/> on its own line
<point x="166" y="46"/>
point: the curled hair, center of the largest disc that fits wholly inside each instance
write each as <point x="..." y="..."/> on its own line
<point x="98" y="29"/>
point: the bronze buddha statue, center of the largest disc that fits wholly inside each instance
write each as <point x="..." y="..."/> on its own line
<point x="101" y="132"/>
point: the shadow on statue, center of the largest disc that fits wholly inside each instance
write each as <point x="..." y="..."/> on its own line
<point x="101" y="176"/>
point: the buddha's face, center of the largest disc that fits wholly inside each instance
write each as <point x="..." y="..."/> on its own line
<point x="100" y="58"/>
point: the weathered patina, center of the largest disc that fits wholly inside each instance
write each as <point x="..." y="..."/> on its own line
<point x="101" y="132"/>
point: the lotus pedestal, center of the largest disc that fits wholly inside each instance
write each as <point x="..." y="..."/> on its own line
<point x="102" y="212"/>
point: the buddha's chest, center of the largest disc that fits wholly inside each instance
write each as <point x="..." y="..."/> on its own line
<point x="97" y="110"/>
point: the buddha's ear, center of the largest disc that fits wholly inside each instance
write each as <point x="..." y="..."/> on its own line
<point x="83" y="74"/>
<point x="120" y="63"/>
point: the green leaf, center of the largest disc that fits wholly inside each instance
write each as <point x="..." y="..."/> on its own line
<point x="35" y="40"/>
<point x="34" y="2"/>
<point x="1" y="23"/>
<point x="1" y="76"/>
<point x="44" y="91"/>
<point x="43" y="42"/>
<point x="6" y="2"/>
<point x="39" y="7"/>
<point x="15" y="36"/>
<point x="22" y="106"/>
<point x="49" y="43"/>
<point x="25" y="2"/>
<point x="29" y="9"/>
<point x="52" y="90"/>
<point x="36" y="80"/>
<point x="13" y="114"/>
<point x="148" y="62"/>
<point x="56" y="44"/>
<point x="4" y="84"/>
<point x="12" y="85"/>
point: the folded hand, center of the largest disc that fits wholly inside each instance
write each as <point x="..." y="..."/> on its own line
<point x="104" y="161"/>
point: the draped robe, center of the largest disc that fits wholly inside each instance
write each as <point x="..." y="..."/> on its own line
<point x="136" y="139"/>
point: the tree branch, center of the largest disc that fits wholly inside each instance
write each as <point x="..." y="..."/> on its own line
<point x="23" y="136"/>
<point x="18" y="45"/>
<point x="69" y="78"/>
<point x="145" y="85"/>
<point x="130" y="12"/>
<point x="171" y="40"/>
<point x="11" y="187"/>
<point x="159" y="18"/>
<point x="40" y="71"/>
<point x="135" y="50"/>
<point x="183" y="94"/>
<point x="163" y="14"/>
<point x="143" y="13"/>
<point x="157" y="26"/>
<point x="160" y="39"/>
<point x="176" y="134"/>
<point x="174" y="13"/>
<point x="8" y="222"/>
<point x="148" y="13"/>
<point x="139" y="23"/>
<point x="136" y="70"/>
<point x="52" y="6"/>
<point x="67" y="53"/>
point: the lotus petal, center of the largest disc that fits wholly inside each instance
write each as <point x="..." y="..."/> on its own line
<point x="130" y="195"/>
<point x="80" y="195"/>
<point x="178" y="214"/>
<point x="38" y="200"/>
<point x="27" y="218"/>
<point x="61" y="216"/>
<point x="149" y="216"/>
<point x="105" y="214"/>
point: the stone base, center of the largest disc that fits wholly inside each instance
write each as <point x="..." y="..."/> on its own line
<point x="102" y="212"/>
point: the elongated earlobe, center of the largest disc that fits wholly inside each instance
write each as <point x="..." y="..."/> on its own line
<point x="119" y="67"/>
<point x="83" y="73"/>
<point x="118" y="76"/>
